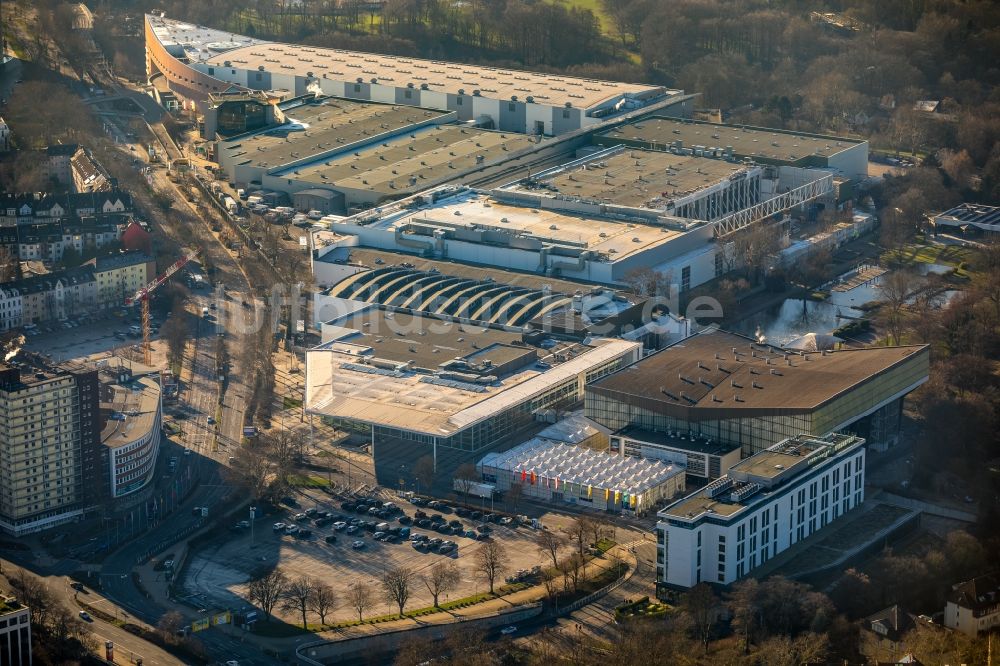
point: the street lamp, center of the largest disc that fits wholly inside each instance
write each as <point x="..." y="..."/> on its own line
<point x="253" y="513"/>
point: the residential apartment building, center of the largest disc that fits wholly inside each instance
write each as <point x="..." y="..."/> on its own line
<point x="22" y="208"/>
<point x="15" y="633"/>
<point x="49" y="434"/>
<point x="101" y="283"/>
<point x="131" y="413"/>
<point x="10" y="307"/>
<point x="118" y="276"/>
<point x="765" y="504"/>
<point x="57" y="162"/>
<point x="49" y="240"/>
<point x="55" y="296"/>
<point x="973" y="606"/>
<point x="43" y="226"/>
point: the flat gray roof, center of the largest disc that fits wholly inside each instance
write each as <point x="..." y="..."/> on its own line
<point x="216" y="47"/>
<point x="634" y="177"/>
<point x="754" y="142"/>
<point x="315" y="128"/>
<point x="474" y="210"/>
<point x="429" y="155"/>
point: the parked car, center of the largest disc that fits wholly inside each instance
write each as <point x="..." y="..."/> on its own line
<point x="455" y="523"/>
<point x="340" y="525"/>
<point x="291" y="529"/>
<point x="405" y="520"/>
<point x="243" y="524"/>
<point x="311" y="512"/>
<point x="278" y="527"/>
<point x="85" y="616"/>
<point x="299" y="517"/>
<point x="304" y="534"/>
<point x="358" y="545"/>
<point x="508" y="630"/>
<point x="445" y="548"/>
<point x="352" y="529"/>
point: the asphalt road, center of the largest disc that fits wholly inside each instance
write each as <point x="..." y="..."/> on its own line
<point x="128" y="646"/>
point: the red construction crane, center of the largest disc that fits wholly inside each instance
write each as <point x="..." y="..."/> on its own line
<point x="143" y="297"/>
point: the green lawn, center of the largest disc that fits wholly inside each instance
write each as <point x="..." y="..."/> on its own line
<point x="595" y="6"/>
<point x="917" y="253"/>
<point x="306" y="481"/>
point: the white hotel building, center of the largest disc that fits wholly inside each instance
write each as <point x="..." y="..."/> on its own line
<point x="765" y="504"/>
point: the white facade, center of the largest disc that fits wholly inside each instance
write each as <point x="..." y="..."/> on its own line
<point x="700" y="459"/>
<point x="10" y="308"/>
<point x="973" y="606"/>
<point x="134" y="440"/>
<point x="554" y="471"/>
<point x="719" y="542"/>
<point x="15" y="633"/>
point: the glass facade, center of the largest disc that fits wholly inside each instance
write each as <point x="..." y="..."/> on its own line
<point x="242" y="116"/>
<point x="756" y="433"/>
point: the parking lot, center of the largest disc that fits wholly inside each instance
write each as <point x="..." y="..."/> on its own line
<point x="220" y="572"/>
<point x="77" y="338"/>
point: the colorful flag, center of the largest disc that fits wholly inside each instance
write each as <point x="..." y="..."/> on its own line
<point x="524" y="475"/>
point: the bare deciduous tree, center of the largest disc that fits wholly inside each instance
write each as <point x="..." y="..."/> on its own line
<point x="549" y="543"/>
<point x="701" y="605"/>
<point x="578" y="531"/>
<point x="168" y="626"/>
<point x="491" y="562"/>
<point x="897" y="287"/>
<point x="465" y="476"/>
<point x="513" y="496"/>
<point x="298" y="596"/>
<point x="397" y="584"/>
<point x="176" y="333"/>
<point x="442" y="578"/>
<point x="573" y="568"/>
<point x="267" y="590"/>
<point x="323" y="599"/>
<point x="360" y="598"/>
<point x="423" y="472"/>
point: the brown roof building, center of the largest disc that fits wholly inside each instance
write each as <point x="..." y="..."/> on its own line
<point x="722" y="387"/>
<point x="973" y="606"/>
